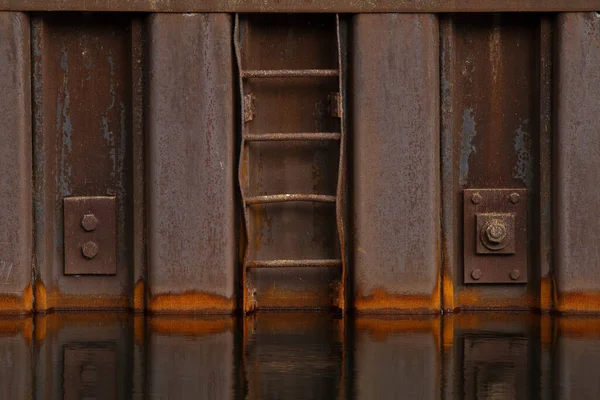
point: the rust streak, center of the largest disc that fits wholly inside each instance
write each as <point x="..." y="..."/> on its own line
<point x="15" y="304"/>
<point x="191" y="302"/>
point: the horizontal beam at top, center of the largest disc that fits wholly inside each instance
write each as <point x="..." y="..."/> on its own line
<point x="304" y="6"/>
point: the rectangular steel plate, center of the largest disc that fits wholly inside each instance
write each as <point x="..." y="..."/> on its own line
<point x="104" y="235"/>
<point x="90" y="372"/>
<point x="509" y="264"/>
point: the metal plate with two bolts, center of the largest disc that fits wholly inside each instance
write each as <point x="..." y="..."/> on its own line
<point x="90" y="236"/>
<point x="495" y="236"/>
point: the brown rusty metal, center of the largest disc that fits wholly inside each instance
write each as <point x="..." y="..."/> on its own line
<point x="495" y="235"/>
<point x="283" y="227"/>
<point x="82" y="87"/>
<point x="288" y="73"/>
<point x="96" y="353"/>
<point x="267" y="137"/>
<point x="90" y="231"/>
<point x="294" y="263"/>
<point x="491" y="117"/>
<point x="18" y="360"/>
<point x="190" y="178"/>
<point x="283" y="198"/>
<point x="577" y="163"/>
<point x="395" y="139"/>
<point x="16" y="223"/>
<point x="309" y="6"/>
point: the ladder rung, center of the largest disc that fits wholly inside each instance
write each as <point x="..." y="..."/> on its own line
<point x="288" y="73"/>
<point x="267" y="137"/>
<point x="282" y="198"/>
<point x="294" y="263"/>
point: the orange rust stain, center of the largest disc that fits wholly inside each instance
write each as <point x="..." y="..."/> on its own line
<point x="546" y="330"/>
<point x="139" y="329"/>
<point x="578" y="302"/>
<point x="474" y="299"/>
<point x="448" y="331"/>
<point x="14" y="304"/>
<point x="380" y="328"/>
<point x="15" y="326"/>
<point x="447" y="292"/>
<point x="291" y="321"/>
<point x="139" y="294"/>
<point x="190" y="325"/>
<point x="191" y="302"/>
<point x="62" y="301"/>
<point x="41" y="302"/>
<point x="383" y="302"/>
<point x="45" y="323"/>
<point x="579" y="327"/>
<point x="546" y="294"/>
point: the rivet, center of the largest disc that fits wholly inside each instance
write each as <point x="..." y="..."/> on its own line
<point x="514" y="198"/>
<point x="89" y="222"/>
<point x="89" y="250"/>
<point x="476" y="198"/>
<point x="515" y="274"/>
<point x="476" y="274"/>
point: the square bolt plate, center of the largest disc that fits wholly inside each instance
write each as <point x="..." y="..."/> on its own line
<point x="90" y="235"/>
<point x="495" y="236"/>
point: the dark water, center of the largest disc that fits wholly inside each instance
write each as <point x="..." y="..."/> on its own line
<point x="299" y="356"/>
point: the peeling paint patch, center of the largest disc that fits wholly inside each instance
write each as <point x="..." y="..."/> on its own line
<point x="468" y="134"/>
<point x="522" y="143"/>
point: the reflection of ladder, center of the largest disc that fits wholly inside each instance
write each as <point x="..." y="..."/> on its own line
<point x="248" y="137"/>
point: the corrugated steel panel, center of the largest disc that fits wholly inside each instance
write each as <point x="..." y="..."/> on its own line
<point x="16" y="358"/>
<point x="287" y="6"/>
<point x="192" y="358"/>
<point x="82" y="77"/>
<point x="16" y="222"/>
<point x="190" y="173"/>
<point x="577" y="167"/>
<point x="397" y="355"/>
<point x="395" y="148"/>
<point x="495" y="113"/>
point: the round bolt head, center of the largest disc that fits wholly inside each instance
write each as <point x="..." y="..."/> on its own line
<point x="89" y="250"/>
<point x="496" y="232"/>
<point x="476" y="274"/>
<point x="89" y="222"/>
<point x="515" y="274"/>
<point x="476" y="198"/>
<point x="514" y="198"/>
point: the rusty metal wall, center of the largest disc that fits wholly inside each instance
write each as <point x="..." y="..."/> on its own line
<point x="190" y="118"/>
<point x="16" y="358"/>
<point x="16" y="222"/>
<point x="83" y="74"/>
<point x="495" y="130"/>
<point x="395" y="178"/>
<point x="577" y="163"/>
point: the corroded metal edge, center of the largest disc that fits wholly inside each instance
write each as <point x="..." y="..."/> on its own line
<point x="285" y="6"/>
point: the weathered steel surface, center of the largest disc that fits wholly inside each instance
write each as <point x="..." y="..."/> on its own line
<point x="82" y="77"/>
<point x="397" y="357"/>
<point x="577" y="167"/>
<point x="190" y="174"/>
<point x="491" y="116"/>
<point x="286" y="6"/>
<point x="576" y="358"/>
<point x="291" y="190"/>
<point x="296" y="355"/>
<point x="487" y="260"/>
<point x="96" y="353"/>
<point x="192" y="357"/>
<point x="16" y="358"/>
<point x="492" y="355"/>
<point x="16" y="247"/>
<point x="395" y="148"/>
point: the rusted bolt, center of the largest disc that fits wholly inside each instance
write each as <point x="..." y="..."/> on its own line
<point x="476" y="198"/>
<point x="89" y="222"/>
<point x="496" y="231"/>
<point x="514" y="198"/>
<point x="89" y="250"/>
<point x="476" y="274"/>
<point x="515" y="274"/>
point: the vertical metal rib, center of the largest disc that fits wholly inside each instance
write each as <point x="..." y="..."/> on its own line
<point x="341" y="171"/>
